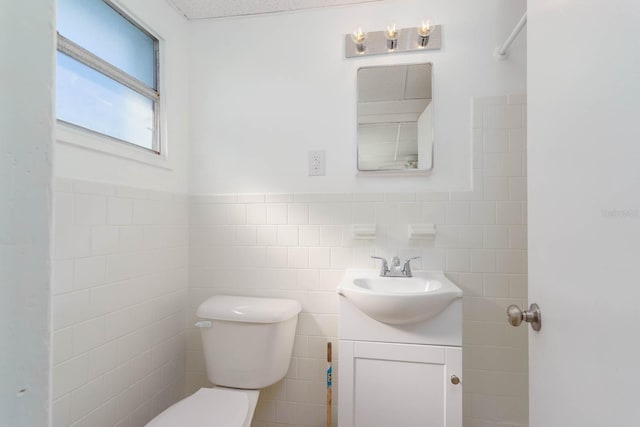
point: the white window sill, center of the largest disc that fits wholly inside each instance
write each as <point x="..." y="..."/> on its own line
<point x="87" y="140"/>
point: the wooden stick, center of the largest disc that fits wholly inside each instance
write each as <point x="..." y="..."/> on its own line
<point x="329" y="383"/>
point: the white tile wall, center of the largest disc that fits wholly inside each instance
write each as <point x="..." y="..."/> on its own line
<point x="298" y="245"/>
<point x="120" y="290"/>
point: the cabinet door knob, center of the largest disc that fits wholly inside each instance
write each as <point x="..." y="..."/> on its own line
<point x="455" y="380"/>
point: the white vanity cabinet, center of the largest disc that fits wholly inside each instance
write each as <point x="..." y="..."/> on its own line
<point x="407" y="385"/>
<point x="404" y="374"/>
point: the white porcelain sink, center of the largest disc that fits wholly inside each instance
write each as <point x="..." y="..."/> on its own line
<point x="399" y="300"/>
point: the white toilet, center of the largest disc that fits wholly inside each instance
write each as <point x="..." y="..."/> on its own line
<point x="247" y="346"/>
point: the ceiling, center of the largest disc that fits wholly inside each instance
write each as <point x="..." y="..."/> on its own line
<point x="203" y="9"/>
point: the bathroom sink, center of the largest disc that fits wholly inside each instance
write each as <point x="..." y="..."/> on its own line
<point x="399" y="300"/>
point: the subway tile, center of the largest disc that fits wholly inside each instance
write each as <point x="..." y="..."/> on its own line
<point x="483" y="261"/>
<point x="119" y="211"/>
<point x="433" y="212"/>
<point x="256" y="214"/>
<point x="496" y="237"/>
<point x="246" y="235"/>
<point x="458" y="260"/>
<point x="509" y="164"/>
<point x="132" y="193"/>
<point x="432" y="196"/>
<point x="288" y="235"/>
<point x="341" y="258"/>
<point x="279" y="198"/>
<point x="518" y="236"/>
<point x="319" y="257"/>
<point x="341" y="213"/>
<point x="337" y="197"/>
<point x="457" y="213"/>
<point x="72" y="242"/>
<point x="63" y="209"/>
<point x="251" y="198"/>
<point x="496" y="285"/>
<point x="510" y="213"/>
<point x="90" y="209"/>
<point x="517" y="99"/>
<point x="470" y="236"/>
<point x="236" y="214"/>
<point x="298" y="214"/>
<point x="105" y="240"/>
<point x="510" y="262"/>
<point x="95" y="188"/>
<point x="62" y="276"/>
<point x="60" y="412"/>
<point x="69" y="375"/>
<point x="368" y="197"/>
<point x="319" y="213"/>
<point x="446" y="236"/>
<point x="298" y="258"/>
<point x="307" y="197"/>
<point x="62" y="345"/>
<point x="496" y="141"/>
<point x="502" y="116"/>
<point x="89" y="272"/>
<point x="518" y="189"/>
<point x="266" y="235"/>
<point x="400" y="197"/>
<point x="309" y="235"/>
<point x="517" y="140"/>
<point x="409" y="213"/>
<point x="483" y="213"/>
<point x="496" y="188"/>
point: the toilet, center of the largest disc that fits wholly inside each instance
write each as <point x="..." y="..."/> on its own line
<point x="247" y="346"/>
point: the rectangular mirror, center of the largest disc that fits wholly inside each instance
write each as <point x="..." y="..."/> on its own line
<point x="395" y="118"/>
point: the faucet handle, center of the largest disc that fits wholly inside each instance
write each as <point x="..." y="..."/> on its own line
<point x="406" y="269"/>
<point x="384" y="269"/>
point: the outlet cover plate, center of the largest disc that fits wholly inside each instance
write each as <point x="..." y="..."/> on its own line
<point x="317" y="163"/>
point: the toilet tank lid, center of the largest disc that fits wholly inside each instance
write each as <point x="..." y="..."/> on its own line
<point x="248" y="309"/>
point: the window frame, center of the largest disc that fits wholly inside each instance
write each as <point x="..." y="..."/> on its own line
<point x="87" y="138"/>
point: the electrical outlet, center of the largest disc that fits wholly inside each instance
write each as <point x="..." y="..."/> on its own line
<point x="316" y="163"/>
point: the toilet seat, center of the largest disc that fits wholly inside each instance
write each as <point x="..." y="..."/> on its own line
<point x="210" y="407"/>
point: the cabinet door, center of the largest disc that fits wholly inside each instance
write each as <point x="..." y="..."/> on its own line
<point x="385" y="384"/>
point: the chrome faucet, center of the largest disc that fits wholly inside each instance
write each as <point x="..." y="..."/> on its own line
<point x="395" y="270"/>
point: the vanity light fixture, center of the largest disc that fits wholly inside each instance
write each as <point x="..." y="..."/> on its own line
<point x="393" y="40"/>
<point x="359" y="38"/>
<point x="391" y="34"/>
<point x="424" y="31"/>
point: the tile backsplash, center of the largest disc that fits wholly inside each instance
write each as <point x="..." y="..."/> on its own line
<point x="120" y="289"/>
<point x="298" y="246"/>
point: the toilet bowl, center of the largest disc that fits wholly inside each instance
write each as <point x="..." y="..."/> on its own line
<point x="247" y="345"/>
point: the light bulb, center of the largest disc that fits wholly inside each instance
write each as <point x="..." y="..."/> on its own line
<point x="391" y="33"/>
<point x="359" y="38"/>
<point x="425" y="29"/>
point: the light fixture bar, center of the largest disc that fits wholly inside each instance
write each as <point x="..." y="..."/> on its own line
<point x="409" y="40"/>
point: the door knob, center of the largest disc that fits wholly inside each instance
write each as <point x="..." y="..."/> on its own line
<point x="455" y="380"/>
<point x="533" y="316"/>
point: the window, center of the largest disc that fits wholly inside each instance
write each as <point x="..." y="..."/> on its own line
<point x="107" y="73"/>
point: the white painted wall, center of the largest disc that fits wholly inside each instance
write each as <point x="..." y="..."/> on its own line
<point x="26" y="140"/>
<point x="266" y="89"/>
<point x="77" y="162"/>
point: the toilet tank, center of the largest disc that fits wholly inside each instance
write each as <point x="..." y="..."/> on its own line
<point x="247" y="341"/>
